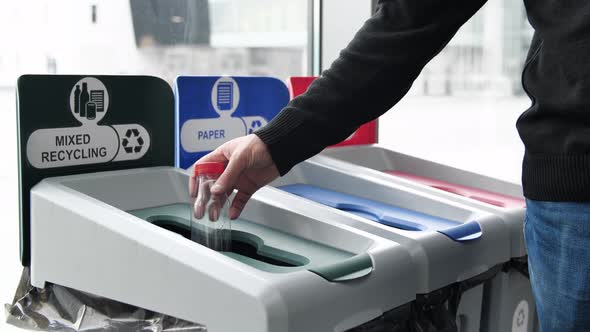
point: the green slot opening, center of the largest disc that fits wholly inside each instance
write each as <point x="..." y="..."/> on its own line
<point x="243" y="244"/>
<point x="265" y="248"/>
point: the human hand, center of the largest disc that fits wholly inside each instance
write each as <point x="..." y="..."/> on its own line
<point x="249" y="168"/>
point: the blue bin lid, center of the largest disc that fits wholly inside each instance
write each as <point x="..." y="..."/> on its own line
<point x="386" y="214"/>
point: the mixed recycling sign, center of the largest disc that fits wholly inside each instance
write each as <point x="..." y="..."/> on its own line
<point x="81" y="124"/>
<point x="87" y="142"/>
<point x="211" y="110"/>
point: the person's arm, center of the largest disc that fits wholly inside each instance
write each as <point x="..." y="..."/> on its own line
<point x="371" y="75"/>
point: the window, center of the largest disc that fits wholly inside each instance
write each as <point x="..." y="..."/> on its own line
<point x="164" y="38"/>
<point x="462" y="109"/>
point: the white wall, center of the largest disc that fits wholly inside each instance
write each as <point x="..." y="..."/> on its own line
<point x="64" y="31"/>
<point x="21" y="44"/>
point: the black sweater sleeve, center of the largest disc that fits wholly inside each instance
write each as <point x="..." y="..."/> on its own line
<point x="371" y="75"/>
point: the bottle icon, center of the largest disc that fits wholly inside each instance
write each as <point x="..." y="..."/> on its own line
<point x="77" y="99"/>
<point x="90" y="111"/>
<point x="84" y="98"/>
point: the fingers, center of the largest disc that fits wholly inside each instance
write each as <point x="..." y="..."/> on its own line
<point x="192" y="181"/>
<point x="227" y="181"/>
<point x="208" y="203"/>
<point x="218" y="155"/>
<point x="203" y="196"/>
<point x="215" y="207"/>
<point x="214" y="211"/>
<point x="238" y="204"/>
<point x="192" y="185"/>
<point x="236" y="165"/>
<point x="215" y="156"/>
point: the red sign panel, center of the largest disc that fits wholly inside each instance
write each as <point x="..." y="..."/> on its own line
<point x="366" y="134"/>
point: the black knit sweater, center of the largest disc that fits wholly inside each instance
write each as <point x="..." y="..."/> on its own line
<point x="379" y="65"/>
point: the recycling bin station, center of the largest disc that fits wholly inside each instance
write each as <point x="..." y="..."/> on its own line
<point x="337" y="244"/>
<point x="106" y="212"/>
<point x="509" y="304"/>
<point x="286" y="271"/>
<point x="453" y="245"/>
<point x="455" y="248"/>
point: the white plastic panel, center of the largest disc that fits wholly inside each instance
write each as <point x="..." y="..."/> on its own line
<point x="81" y="241"/>
<point x="440" y="260"/>
<point x="373" y="159"/>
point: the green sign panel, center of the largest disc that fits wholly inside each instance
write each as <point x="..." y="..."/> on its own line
<point x="83" y="124"/>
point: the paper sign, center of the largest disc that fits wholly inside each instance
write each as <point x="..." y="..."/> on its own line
<point x="213" y="110"/>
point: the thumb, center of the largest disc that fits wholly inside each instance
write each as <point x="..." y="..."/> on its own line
<point x="227" y="181"/>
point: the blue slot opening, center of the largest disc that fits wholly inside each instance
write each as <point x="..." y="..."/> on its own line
<point x="387" y="214"/>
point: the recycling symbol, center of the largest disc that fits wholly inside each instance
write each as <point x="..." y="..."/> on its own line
<point x="520" y="318"/>
<point x="132" y="142"/>
<point x="255" y="124"/>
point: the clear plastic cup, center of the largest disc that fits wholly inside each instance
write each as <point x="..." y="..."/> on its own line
<point x="210" y="223"/>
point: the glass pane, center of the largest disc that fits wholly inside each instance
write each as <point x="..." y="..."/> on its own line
<point x="164" y="38"/>
<point x="462" y="109"/>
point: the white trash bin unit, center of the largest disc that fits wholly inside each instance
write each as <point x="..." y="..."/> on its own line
<point x="495" y="196"/>
<point x="122" y="235"/>
<point x="505" y="198"/>
<point x="442" y="259"/>
<point x="505" y="307"/>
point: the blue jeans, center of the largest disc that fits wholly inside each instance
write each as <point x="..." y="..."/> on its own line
<point x="557" y="235"/>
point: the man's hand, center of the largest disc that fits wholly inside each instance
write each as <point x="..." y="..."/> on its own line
<point x="249" y="168"/>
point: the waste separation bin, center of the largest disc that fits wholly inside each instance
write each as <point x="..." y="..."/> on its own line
<point x="104" y="212"/>
<point x="485" y="193"/>
<point x="509" y="307"/>
<point x="116" y="234"/>
<point x="457" y="248"/>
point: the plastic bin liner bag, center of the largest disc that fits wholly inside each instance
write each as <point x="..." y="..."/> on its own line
<point x="58" y="308"/>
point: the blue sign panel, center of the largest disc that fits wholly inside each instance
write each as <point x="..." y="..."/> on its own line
<point x="211" y="110"/>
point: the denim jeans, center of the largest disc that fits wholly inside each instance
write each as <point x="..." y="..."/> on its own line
<point x="557" y="235"/>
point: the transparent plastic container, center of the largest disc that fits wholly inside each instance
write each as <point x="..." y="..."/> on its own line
<point x="210" y="223"/>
